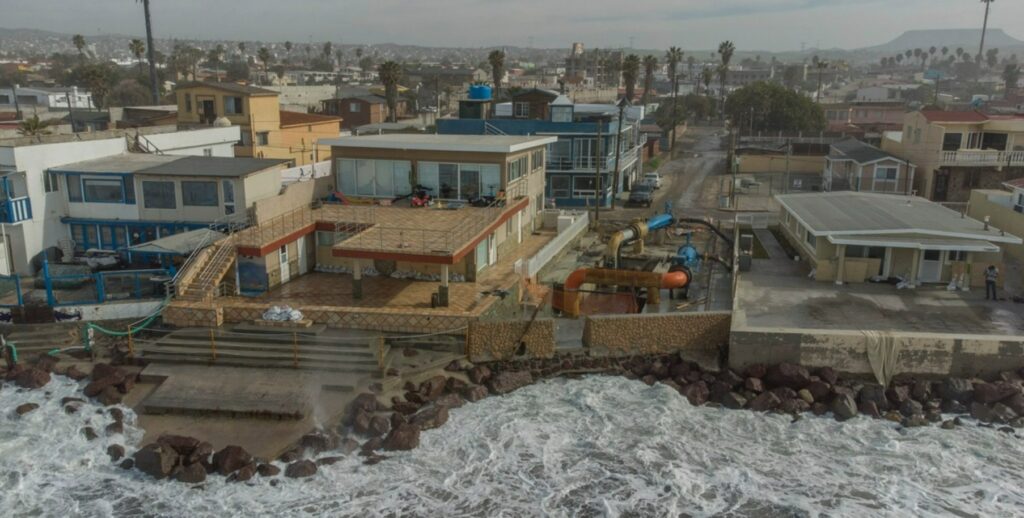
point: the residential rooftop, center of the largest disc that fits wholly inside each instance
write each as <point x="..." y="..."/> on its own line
<point x="166" y="165"/>
<point x="297" y="118"/>
<point x="858" y="151"/>
<point x="228" y="87"/>
<point x="93" y="135"/>
<point x="465" y="143"/>
<point x="858" y="213"/>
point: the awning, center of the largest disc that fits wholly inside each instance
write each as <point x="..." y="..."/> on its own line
<point x="916" y="243"/>
<point x="179" y="244"/>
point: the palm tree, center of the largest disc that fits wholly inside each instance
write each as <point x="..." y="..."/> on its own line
<point x="984" y="28"/>
<point x="79" y="42"/>
<point x="33" y="127"/>
<point x="1011" y="76"/>
<point x="215" y="57"/>
<point x="150" y="53"/>
<point x="725" y="49"/>
<point x="241" y="47"/>
<point x="690" y="62"/>
<point x="706" y="75"/>
<point x="944" y="51"/>
<point x="959" y="52"/>
<point x="673" y="57"/>
<point x="327" y="50"/>
<point x="497" y="61"/>
<point x="650" y="62"/>
<point x="288" y="47"/>
<point x="137" y="48"/>
<point x="821" y="66"/>
<point x="264" y="55"/>
<point x="338" y="54"/>
<point x="390" y="73"/>
<point x="630" y="73"/>
<point x="359" y="53"/>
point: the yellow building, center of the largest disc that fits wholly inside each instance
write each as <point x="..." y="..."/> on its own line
<point x="267" y="132"/>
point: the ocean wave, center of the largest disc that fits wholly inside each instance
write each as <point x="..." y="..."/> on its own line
<point x="598" y="446"/>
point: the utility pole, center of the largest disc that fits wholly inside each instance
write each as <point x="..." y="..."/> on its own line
<point x="675" y="90"/>
<point x="597" y="177"/>
<point x="789" y="151"/>
<point x="984" y="27"/>
<point x="732" y="167"/>
<point x="618" y="150"/>
<point x="71" y="112"/>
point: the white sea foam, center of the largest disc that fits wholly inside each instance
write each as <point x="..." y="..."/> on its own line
<point x="600" y="446"/>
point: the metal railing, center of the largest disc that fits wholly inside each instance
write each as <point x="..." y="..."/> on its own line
<point x="278" y="226"/>
<point x="14" y="210"/>
<point x="983" y="157"/>
<point x="231" y="224"/>
<point x="100" y="287"/>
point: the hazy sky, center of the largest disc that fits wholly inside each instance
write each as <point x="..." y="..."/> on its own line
<point x="692" y="24"/>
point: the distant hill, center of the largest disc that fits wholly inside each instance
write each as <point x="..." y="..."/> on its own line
<point x="953" y="38"/>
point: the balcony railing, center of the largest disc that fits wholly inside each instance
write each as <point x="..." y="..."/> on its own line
<point x="588" y="163"/>
<point x="13" y="210"/>
<point x="983" y="158"/>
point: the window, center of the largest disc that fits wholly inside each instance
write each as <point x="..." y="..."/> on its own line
<point x="994" y="141"/>
<point x="788" y="218"/>
<point x="561" y="114"/>
<point x="207" y="151"/>
<point x="469" y="182"/>
<point x="381" y="178"/>
<point x="560" y="186"/>
<point x="262" y="138"/>
<point x="51" y="182"/>
<point x="460" y="181"/>
<point x="158" y="195"/>
<point x="199" y="194"/>
<point x="188" y="103"/>
<point x="325" y="238"/>
<point x="521" y="110"/>
<point x="537" y="159"/>
<point x="228" y="187"/>
<point x="74" y="187"/>
<point x="354" y="107"/>
<point x="810" y="239"/>
<point x="584" y="186"/>
<point x="886" y="174"/>
<point x="951" y="141"/>
<point x="232" y="105"/>
<point x="103" y="191"/>
<point x="517" y="168"/>
<point x="956" y="256"/>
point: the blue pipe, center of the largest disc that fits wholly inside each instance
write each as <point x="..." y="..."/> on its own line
<point x="659" y="221"/>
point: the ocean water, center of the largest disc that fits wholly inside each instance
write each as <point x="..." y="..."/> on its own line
<point x="598" y="446"/>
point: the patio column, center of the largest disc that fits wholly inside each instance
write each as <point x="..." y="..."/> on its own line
<point x="841" y="264"/>
<point x="968" y="266"/>
<point x="915" y="268"/>
<point x="357" y="279"/>
<point x="442" y="292"/>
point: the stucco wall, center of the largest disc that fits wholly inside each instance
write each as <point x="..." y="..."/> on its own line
<point x="658" y="333"/>
<point x="1001" y="217"/>
<point x="921" y="354"/>
<point x="501" y="339"/>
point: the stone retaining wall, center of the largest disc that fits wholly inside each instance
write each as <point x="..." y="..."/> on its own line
<point x="498" y="340"/>
<point x="658" y="333"/>
<point x="182" y="314"/>
<point x="922" y="354"/>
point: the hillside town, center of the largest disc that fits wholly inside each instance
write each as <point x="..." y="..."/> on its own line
<point x="228" y="261"/>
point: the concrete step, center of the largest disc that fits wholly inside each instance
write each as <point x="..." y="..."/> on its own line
<point x="199" y="335"/>
<point x="202" y="345"/>
<point x="261" y="355"/>
<point x="263" y="363"/>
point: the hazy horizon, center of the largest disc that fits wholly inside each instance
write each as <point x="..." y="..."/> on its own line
<point x="769" y="25"/>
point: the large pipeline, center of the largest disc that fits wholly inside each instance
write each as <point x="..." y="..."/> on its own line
<point x="637" y="230"/>
<point x="677" y="278"/>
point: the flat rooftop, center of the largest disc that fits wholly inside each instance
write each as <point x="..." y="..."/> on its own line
<point x="168" y="165"/>
<point x="465" y="143"/>
<point x="858" y="213"/>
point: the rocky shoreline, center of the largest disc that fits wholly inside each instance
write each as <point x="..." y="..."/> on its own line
<point x="371" y="427"/>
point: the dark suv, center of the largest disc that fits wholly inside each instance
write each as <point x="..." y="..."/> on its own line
<point x="641" y="194"/>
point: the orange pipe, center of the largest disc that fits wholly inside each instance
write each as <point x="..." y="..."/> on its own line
<point x="606" y="276"/>
<point x="673" y="280"/>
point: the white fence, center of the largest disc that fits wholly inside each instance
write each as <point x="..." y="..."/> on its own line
<point x="305" y="173"/>
<point x="556" y="245"/>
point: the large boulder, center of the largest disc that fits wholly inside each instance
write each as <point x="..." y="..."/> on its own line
<point x="957" y="389"/>
<point x="897" y="394"/>
<point x="230" y="459"/>
<point x="402" y="437"/>
<point x="475" y="393"/>
<point x="300" y="469"/>
<point x="431" y="417"/>
<point x="32" y="378"/>
<point x="764" y="402"/>
<point x="507" y="381"/>
<point x="696" y="393"/>
<point x="244" y="474"/>
<point x="989" y="393"/>
<point x="191" y="474"/>
<point x="116" y="452"/>
<point x="1015" y="403"/>
<point x="156" y="460"/>
<point x="1002" y="413"/>
<point x="844" y="407"/>
<point x="754" y="385"/>
<point x="827" y="374"/>
<point x="433" y="387"/>
<point x="479" y="374"/>
<point x="982" y="412"/>
<point x="874" y="393"/>
<point x="319" y="441"/>
<point x="733" y="400"/>
<point x="450" y="400"/>
<point x="25" y="408"/>
<point x="181" y="444"/>
<point x="379" y="425"/>
<point x="366" y="402"/>
<point x="268" y="470"/>
<point x="788" y="375"/>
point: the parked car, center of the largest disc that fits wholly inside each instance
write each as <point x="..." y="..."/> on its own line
<point x="641" y="195"/>
<point x="653" y="179"/>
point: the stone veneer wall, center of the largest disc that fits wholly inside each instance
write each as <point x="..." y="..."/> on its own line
<point x="495" y="340"/>
<point x="658" y="333"/>
<point x="185" y="315"/>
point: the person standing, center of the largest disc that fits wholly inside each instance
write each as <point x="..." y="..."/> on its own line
<point x="991" y="275"/>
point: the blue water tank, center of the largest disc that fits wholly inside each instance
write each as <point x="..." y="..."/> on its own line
<point x="480" y="92"/>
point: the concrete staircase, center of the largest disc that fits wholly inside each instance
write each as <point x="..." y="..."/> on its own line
<point x="33" y="339"/>
<point x="266" y="350"/>
<point x="200" y="284"/>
